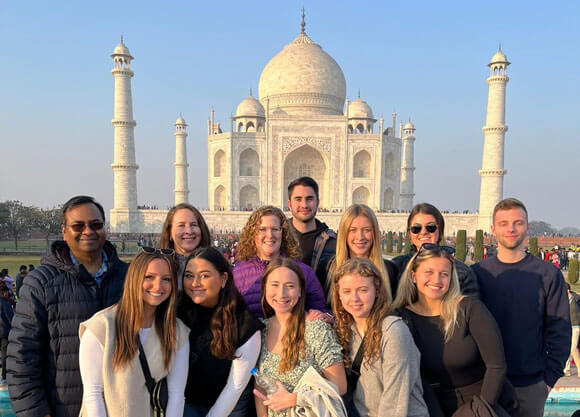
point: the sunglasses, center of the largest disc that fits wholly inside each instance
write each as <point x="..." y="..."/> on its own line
<point x="432" y="246"/>
<point x="416" y="228"/>
<point x="95" y="225"/>
<point x="152" y="251"/>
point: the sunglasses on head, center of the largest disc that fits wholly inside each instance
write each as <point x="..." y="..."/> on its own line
<point x="433" y="246"/>
<point x="163" y="251"/>
<point x="95" y="225"/>
<point x="416" y="228"/>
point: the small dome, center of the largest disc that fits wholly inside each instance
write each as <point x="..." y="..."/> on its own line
<point x="360" y="109"/>
<point x="180" y="121"/>
<point x="409" y="125"/>
<point x="250" y="107"/>
<point x="121" y="49"/>
<point x="498" y="57"/>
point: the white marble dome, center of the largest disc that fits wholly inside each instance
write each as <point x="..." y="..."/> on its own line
<point x="180" y="120"/>
<point x="499" y="57"/>
<point x="121" y="49"/>
<point x="303" y="79"/>
<point x="360" y="109"/>
<point x="409" y="125"/>
<point x="250" y="107"/>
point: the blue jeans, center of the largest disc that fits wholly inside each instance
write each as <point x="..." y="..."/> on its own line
<point x="243" y="407"/>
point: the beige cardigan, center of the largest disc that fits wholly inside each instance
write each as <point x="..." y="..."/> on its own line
<point x="124" y="391"/>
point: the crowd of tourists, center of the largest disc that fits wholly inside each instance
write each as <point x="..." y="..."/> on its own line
<point x="307" y="321"/>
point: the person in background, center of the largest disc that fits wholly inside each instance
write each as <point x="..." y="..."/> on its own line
<point x="426" y="224"/>
<point x="224" y="339"/>
<point x="111" y="342"/>
<point x="267" y="236"/>
<point x="389" y="382"/>
<point x="184" y="230"/>
<point x="6" y="314"/>
<point x="317" y="241"/>
<point x="290" y="343"/>
<point x="574" y="301"/>
<point x="528" y="299"/>
<point x="20" y="278"/>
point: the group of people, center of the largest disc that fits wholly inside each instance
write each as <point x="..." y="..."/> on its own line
<point x="337" y="327"/>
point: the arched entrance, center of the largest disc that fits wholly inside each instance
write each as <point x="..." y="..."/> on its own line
<point x="307" y="161"/>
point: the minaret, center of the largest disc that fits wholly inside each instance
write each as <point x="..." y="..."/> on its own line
<point x="492" y="171"/>
<point x="124" y="164"/>
<point x="407" y="168"/>
<point x="181" y="190"/>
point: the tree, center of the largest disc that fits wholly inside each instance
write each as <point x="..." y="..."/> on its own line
<point x="407" y="243"/>
<point x="478" y="254"/>
<point x="539" y="228"/>
<point x="400" y="243"/>
<point x="573" y="271"/>
<point x="390" y="242"/>
<point x="460" y="245"/>
<point x="48" y="221"/>
<point x="15" y="220"/>
<point x="533" y="244"/>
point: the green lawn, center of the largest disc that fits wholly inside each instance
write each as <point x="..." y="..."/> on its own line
<point x="13" y="262"/>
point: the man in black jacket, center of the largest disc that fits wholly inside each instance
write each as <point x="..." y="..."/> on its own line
<point x="81" y="276"/>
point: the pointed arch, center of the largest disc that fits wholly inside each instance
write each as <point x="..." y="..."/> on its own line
<point x="361" y="196"/>
<point x="361" y="165"/>
<point x="219" y="164"/>
<point x="250" y="127"/>
<point x="219" y="198"/>
<point x="360" y="128"/>
<point x="249" y="163"/>
<point x="389" y="168"/>
<point x="308" y="161"/>
<point x="249" y="198"/>
<point x="388" y="200"/>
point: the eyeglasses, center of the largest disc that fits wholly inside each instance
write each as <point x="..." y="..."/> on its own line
<point x="274" y="230"/>
<point x="432" y="246"/>
<point x="95" y="225"/>
<point x="162" y="251"/>
<point x="416" y="228"/>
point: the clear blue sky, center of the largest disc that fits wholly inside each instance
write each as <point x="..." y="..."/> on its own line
<point x="427" y="60"/>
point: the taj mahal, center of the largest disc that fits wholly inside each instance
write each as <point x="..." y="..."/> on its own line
<point x="300" y="124"/>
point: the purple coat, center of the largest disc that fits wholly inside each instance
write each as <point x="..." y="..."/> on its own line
<point x="248" y="276"/>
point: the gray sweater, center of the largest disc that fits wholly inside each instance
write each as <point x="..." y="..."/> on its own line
<point x="391" y="385"/>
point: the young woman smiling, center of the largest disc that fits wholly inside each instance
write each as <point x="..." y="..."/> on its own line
<point x="290" y="343"/>
<point x="113" y="382"/>
<point x="461" y="348"/>
<point x="224" y="338"/>
<point x="267" y="236"/>
<point x="389" y="382"/>
<point x="359" y="237"/>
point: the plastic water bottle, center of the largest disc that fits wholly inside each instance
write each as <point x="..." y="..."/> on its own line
<point x="265" y="381"/>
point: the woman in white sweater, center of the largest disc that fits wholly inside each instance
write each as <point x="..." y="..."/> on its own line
<point x="112" y="376"/>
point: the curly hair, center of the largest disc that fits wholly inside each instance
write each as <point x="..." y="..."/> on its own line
<point x="247" y="246"/>
<point x="380" y="309"/>
<point x="293" y="342"/>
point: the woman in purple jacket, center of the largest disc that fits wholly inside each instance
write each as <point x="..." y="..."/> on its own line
<point x="267" y="235"/>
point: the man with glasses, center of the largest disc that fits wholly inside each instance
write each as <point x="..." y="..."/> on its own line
<point x="81" y="276"/>
<point x="425" y="225"/>
<point x="528" y="298"/>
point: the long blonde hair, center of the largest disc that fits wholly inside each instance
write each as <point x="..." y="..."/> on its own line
<point x="379" y="310"/>
<point x="293" y="342"/>
<point x="408" y="294"/>
<point x="343" y="253"/>
<point x="129" y="318"/>
<point x="247" y="246"/>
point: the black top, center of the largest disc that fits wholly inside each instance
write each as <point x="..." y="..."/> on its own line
<point x="474" y="352"/>
<point x="530" y="304"/>
<point x="208" y="375"/>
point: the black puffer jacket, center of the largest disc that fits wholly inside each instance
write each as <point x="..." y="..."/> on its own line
<point x="43" y="350"/>
<point x="467" y="279"/>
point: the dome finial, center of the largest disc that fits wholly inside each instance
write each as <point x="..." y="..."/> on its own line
<point x="303" y="23"/>
<point x="121" y="39"/>
<point x="358" y="93"/>
<point x="499" y="49"/>
<point x="250" y="91"/>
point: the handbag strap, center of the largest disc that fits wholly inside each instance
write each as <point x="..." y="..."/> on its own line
<point x="149" y="381"/>
<point x="359" y="357"/>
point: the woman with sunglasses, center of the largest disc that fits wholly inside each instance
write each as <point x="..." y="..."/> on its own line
<point x="224" y="338"/>
<point x="184" y="230"/>
<point x="461" y="348"/>
<point x="291" y="344"/>
<point x="144" y="318"/>
<point x="389" y="382"/>
<point x="266" y="236"/>
<point x="425" y="224"/>
<point x="359" y="237"/>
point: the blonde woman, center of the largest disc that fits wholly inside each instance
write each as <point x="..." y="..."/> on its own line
<point x="461" y="348"/>
<point x="359" y="237"/>
<point x="267" y="236"/>
<point x="290" y="343"/>
<point x="112" y="376"/>
<point x="389" y="382"/>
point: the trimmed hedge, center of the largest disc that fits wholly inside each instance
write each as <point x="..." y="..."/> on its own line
<point x="460" y="245"/>
<point x="478" y="254"/>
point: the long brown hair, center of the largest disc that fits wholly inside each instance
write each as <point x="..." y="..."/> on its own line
<point x="343" y="253"/>
<point x="129" y="318"/>
<point x="293" y="343"/>
<point x="166" y="243"/>
<point x="430" y="209"/>
<point x="247" y="246"/>
<point x="223" y="324"/>
<point x="380" y="309"/>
